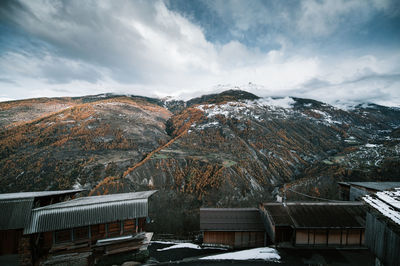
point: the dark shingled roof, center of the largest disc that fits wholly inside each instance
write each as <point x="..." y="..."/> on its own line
<point x="237" y="219"/>
<point x="317" y="214"/>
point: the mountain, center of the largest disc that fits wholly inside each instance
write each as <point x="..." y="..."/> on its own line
<point x="221" y="150"/>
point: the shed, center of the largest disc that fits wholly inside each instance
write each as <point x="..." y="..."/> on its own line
<point x="16" y="207"/>
<point x="16" y="212"/>
<point x="356" y="190"/>
<point x="383" y="226"/>
<point x="108" y="223"/>
<point x="236" y="227"/>
<point x="323" y="224"/>
<point x="51" y="224"/>
<point x="89" y="210"/>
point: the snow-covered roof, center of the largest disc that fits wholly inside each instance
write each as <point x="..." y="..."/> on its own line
<point x="378" y="186"/>
<point x="387" y="203"/>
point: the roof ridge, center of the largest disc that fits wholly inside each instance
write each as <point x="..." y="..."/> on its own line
<point x="65" y="204"/>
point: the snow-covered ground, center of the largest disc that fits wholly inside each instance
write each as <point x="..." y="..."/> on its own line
<point x="249" y="254"/>
<point x="181" y="245"/>
<point x="249" y="108"/>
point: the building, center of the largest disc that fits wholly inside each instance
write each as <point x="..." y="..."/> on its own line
<point x="89" y="226"/>
<point x="236" y="228"/>
<point x="356" y="190"/>
<point x="315" y="224"/>
<point x="382" y="235"/>
<point x="16" y="211"/>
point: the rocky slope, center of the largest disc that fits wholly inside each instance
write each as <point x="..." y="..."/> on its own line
<point x="221" y="150"/>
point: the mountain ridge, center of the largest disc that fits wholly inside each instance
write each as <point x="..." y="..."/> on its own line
<point x="220" y="150"/>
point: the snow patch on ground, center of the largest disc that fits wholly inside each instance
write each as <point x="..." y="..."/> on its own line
<point x="163" y="242"/>
<point x="250" y="254"/>
<point x="228" y="109"/>
<point x="210" y="124"/>
<point x="249" y="108"/>
<point x="77" y="184"/>
<point x="369" y="145"/>
<point x="181" y="245"/>
<point x="326" y="117"/>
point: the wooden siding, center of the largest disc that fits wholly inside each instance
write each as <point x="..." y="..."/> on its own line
<point x="9" y="241"/>
<point x="382" y="241"/>
<point x="329" y="237"/>
<point x="221" y="238"/>
<point x="129" y="226"/>
<point x="334" y="236"/>
<point x="81" y="239"/>
<point x="235" y="239"/>
<point x="114" y="229"/>
<point x="98" y="231"/>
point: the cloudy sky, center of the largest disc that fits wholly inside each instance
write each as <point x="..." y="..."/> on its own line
<point x="337" y="51"/>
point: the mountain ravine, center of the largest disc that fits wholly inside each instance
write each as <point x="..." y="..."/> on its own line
<point x="222" y="150"/>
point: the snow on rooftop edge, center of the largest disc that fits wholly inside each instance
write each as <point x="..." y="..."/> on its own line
<point x="264" y="253"/>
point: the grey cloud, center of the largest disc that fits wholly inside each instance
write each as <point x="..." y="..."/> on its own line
<point x="61" y="73"/>
<point x="80" y="30"/>
<point x="376" y="88"/>
<point x="142" y="47"/>
<point x="7" y="80"/>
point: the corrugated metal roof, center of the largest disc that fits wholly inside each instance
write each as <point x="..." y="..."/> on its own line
<point x="318" y="215"/>
<point x="100" y="199"/>
<point x="89" y="210"/>
<point x="16" y="207"/>
<point x="236" y="219"/>
<point x="15" y="214"/>
<point x="278" y="214"/>
<point x="378" y="186"/>
<point x="387" y="203"/>
<point x="24" y="195"/>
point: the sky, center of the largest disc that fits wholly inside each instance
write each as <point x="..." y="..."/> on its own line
<point x="336" y="51"/>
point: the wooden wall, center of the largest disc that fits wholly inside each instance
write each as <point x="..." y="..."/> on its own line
<point x="235" y="239"/>
<point x="382" y="240"/>
<point x="9" y="241"/>
<point x="75" y="236"/>
<point x="329" y="237"/>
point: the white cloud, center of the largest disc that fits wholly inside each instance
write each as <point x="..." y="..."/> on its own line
<point x="141" y="47"/>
